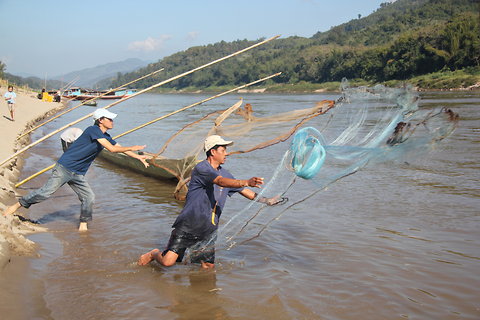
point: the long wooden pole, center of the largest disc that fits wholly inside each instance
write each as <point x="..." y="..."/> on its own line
<point x="68" y="85"/>
<point x="134" y="95"/>
<point x="34" y="175"/>
<point x="88" y="100"/>
<point x="195" y="104"/>
<point x="158" y="119"/>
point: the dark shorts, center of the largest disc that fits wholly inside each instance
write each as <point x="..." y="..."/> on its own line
<point x="200" y="249"/>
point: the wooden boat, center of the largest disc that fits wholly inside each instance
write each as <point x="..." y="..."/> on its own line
<point x="160" y="168"/>
<point x="92" y="103"/>
<point x="118" y="94"/>
<point x="78" y="93"/>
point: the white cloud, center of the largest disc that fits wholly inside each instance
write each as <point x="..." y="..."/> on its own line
<point x="192" y="35"/>
<point x="150" y="44"/>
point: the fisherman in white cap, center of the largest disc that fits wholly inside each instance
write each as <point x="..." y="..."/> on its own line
<point x="72" y="166"/>
<point x="210" y="184"/>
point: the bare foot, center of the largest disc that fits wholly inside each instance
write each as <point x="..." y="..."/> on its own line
<point x="147" y="257"/>
<point x="83" y="226"/>
<point x="207" y="265"/>
<point x="12" y="209"/>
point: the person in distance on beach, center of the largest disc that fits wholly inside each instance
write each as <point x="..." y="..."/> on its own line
<point x="210" y="184"/>
<point x="10" y="97"/>
<point x="72" y="166"/>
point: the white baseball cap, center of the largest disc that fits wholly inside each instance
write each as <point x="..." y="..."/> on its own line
<point x="215" y="140"/>
<point x="103" y="113"/>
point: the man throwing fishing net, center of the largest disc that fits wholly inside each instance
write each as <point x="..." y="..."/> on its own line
<point x="74" y="163"/>
<point x="197" y="224"/>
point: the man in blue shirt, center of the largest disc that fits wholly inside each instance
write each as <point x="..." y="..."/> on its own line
<point x="74" y="163"/>
<point x="209" y="186"/>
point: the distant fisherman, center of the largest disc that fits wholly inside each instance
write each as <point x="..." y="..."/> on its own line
<point x="74" y="163"/>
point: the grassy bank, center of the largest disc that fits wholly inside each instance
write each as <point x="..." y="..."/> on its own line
<point x="468" y="78"/>
<point x="444" y="80"/>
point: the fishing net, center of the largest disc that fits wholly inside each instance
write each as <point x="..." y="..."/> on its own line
<point x="250" y="133"/>
<point x="368" y="125"/>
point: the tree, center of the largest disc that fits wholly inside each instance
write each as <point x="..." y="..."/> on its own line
<point x="2" y="69"/>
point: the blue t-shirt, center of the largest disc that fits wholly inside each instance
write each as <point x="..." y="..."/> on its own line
<point x="80" y="155"/>
<point x="202" y="197"/>
<point x="10" y="95"/>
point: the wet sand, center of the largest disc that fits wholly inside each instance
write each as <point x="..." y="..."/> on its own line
<point x="14" y="247"/>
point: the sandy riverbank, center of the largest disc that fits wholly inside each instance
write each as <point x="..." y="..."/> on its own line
<point x="29" y="110"/>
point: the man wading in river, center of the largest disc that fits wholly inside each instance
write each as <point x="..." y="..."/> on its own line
<point x="210" y="184"/>
<point x="74" y="163"/>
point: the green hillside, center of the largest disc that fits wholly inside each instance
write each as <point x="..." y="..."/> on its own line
<point x="399" y="41"/>
<point x="433" y="44"/>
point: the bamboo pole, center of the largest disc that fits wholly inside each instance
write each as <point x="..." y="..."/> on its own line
<point x="88" y="100"/>
<point x="68" y="85"/>
<point x="134" y="95"/>
<point x="34" y="175"/>
<point x="196" y="104"/>
<point x="160" y="118"/>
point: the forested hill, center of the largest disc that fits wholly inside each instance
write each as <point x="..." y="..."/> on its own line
<point x="392" y="20"/>
<point x="398" y="41"/>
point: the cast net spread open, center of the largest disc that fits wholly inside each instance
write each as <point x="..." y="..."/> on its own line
<point x="365" y="125"/>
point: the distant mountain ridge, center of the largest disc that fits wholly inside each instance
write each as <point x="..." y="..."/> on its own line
<point x="101" y="75"/>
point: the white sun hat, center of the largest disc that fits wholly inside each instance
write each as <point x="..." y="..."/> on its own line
<point x="215" y="140"/>
<point x="103" y="113"/>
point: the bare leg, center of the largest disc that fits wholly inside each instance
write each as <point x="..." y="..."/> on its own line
<point x="83" y="226"/>
<point x="12" y="209"/>
<point x="166" y="260"/>
<point x="12" y="112"/>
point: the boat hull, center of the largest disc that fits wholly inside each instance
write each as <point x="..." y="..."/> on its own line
<point x="160" y="168"/>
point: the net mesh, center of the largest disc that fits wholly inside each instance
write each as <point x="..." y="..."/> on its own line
<point x="368" y="125"/>
<point x="250" y="133"/>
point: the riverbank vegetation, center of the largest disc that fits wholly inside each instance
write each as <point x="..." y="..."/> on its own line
<point x="431" y="44"/>
<point x="428" y="43"/>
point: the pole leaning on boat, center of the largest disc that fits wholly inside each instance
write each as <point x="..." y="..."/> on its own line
<point x="134" y="95"/>
<point x="158" y="119"/>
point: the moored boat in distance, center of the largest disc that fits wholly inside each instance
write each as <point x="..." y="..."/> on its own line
<point x="78" y="93"/>
<point x="91" y="103"/>
<point x="117" y="94"/>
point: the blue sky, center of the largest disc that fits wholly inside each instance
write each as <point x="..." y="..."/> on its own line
<point x="52" y="37"/>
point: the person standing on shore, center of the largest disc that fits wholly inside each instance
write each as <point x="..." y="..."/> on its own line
<point x="10" y="97"/>
<point x="72" y="166"/>
<point x="210" y="184"/>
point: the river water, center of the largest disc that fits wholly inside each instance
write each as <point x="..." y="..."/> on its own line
<point x="393" y="241"/>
